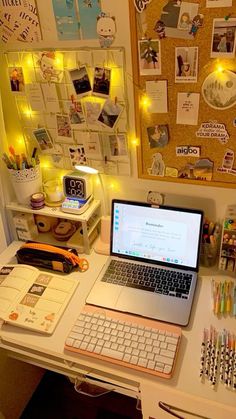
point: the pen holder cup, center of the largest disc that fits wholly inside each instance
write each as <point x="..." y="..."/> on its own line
<point x="208" y="254"/>
<point x="25" y="183"/>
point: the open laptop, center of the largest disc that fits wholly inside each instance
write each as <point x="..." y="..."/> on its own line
<point x="162" y="239"/>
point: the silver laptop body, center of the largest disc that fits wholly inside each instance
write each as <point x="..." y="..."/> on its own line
<point x="152" y="236"/>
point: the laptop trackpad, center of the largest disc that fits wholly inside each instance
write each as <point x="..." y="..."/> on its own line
<point x="134" y="301"/>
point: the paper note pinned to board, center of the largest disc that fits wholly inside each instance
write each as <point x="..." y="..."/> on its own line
<point x="157" y="93"/>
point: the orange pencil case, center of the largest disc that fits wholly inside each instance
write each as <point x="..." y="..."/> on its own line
<point x="51" y="257"/>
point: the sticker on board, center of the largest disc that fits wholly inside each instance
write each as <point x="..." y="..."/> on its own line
<point x="219" y="90"/>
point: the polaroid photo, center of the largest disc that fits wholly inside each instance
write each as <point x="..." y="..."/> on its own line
<point x="16" y="77"/>
<point x="80" y="80"/>
<point x="63" y="126"/>
<point x="223" y="38"/>
<point x="43" y="139"/>
<point x="158" y="136"/>
<point x="92" y="112"/>
<point x="101" y="81"/>
<point x="186" y="64"/>
<point x="149" y="57"/>
<point x="110" y="113"/>
<point x="76" y="114"/>
<point x="118" y="149"/>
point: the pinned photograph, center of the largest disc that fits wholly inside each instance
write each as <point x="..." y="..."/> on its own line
<point x="63" y="126"/>
<point x="149" y="57"/>
<point x="43" y="138"/>
<point x="158" y="136"/>
<point x="186" y="64"/>
<point x="101" y="81"/>
<point x="16" y="77"/>
<point x="76" y="114"/>
<point x="110" y="113"/>
<point x="80" y="80"/>
<point x="118" y="146"/>
<point x="223" y="38"/>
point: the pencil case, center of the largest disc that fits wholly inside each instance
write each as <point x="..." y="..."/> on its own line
<point x="51" y="257"/>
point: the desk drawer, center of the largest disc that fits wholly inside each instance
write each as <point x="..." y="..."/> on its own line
<point x="159" y="402"/>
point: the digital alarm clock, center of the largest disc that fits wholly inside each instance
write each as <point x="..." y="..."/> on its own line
<point x="77" y="187"/>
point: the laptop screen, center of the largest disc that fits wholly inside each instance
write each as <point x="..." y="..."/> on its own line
<point x="167" y="235"/>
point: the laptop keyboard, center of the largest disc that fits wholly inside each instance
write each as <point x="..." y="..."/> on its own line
<point x="148" y="278"/>
<point x="131" y="341"/>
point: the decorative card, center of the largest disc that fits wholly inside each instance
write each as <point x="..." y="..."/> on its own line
<point x="157" y="94"/>
<point x="89" y="10"/>
<point x="187" y="108"/>
<point x="35" y="96"/>
<point x="48" y="67"/>
<point x="93" y="146"/>
<point x="50" y="97"/>
<point x="77" y="154"/>
<point x="66" y="18"/>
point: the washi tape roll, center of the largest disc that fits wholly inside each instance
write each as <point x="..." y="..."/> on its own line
<point x="37" y="200"/>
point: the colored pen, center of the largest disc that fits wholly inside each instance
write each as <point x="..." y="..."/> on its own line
<point x="231" y="361"/>
<point x="234" y="307"/>
<point x="227" y="351"/>
<point x="234" y="367"/>
<point x="228" y="297"/>
<point x="212" y="355"/>
<point x="208" y="354"/>
<point x="222" y="298"/>
<point x="222" y="356"/>
<point x="202" y="357"/>
<point x="215" y="366"/>
<point x="217" y="299"/>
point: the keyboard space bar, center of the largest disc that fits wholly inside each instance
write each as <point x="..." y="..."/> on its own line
<point x="111" y="353"/>
<point x="140" y="287"/>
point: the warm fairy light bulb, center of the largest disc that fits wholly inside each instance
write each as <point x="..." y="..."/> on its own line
<point x="145" y="102"/>
<point x="134" y="141"/>
<point x="20" y="142"/>
<point x="59" y="60"/>
<point x="28" y="113"/>
<point x="219" y="68"/>
<point x="29" y="61"/>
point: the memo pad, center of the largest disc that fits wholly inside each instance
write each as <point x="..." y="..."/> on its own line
<point x="152" y="270"/>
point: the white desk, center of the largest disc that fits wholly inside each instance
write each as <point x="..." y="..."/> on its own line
<point x="184" y="389"/>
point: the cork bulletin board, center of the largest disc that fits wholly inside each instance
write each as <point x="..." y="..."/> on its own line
<point x="184" y="71"/>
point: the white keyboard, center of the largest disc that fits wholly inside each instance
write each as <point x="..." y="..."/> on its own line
<point x="131" y="341"/>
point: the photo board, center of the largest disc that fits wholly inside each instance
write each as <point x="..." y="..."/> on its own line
<point x="72" y="106"/>
<point x="184" y="85"/>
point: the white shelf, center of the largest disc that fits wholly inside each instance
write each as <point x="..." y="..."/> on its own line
<point x="55" y="211"/>
<point x="89" y="221"/>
